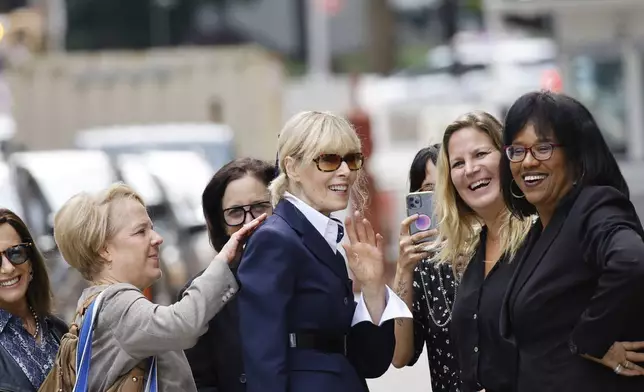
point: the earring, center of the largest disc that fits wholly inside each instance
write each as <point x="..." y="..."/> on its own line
<point x="512" y="193"/>
<point x="574" y="183"/>
<point x="31" y="275"/>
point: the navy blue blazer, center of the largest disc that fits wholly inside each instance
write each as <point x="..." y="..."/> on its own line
<point x="292" y="281"/>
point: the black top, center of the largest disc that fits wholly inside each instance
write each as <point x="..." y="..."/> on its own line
<point x="216" y="359"/>
<point x="578" y="290"/>
<point x="434" y="291"/>
<point x="486" y="360"/>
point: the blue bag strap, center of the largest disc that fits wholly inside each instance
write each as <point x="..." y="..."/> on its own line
<point x="84" y="347"/>
<point x="151" y="384"/>
<point x="84" y="352"/>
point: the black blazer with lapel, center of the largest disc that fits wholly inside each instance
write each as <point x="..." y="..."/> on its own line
<point x="293" y="281"/>
<point x="579" y="289"/>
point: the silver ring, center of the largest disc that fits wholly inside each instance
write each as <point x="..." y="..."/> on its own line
<point x="618" y="368"/>
<point x="626" y="364"/>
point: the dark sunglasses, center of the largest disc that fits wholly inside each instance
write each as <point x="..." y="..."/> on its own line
<point x="332" y="162"/>
<point x="236" y="216"/>
<point x="17" y="254"/>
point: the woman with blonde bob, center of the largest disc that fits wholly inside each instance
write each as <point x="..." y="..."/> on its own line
<point x="109" y="239"/>
<point x="300" y="327"/>
<point x="477" y="229"/>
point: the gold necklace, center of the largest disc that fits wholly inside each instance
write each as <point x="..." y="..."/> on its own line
<point x="33" y="313"/>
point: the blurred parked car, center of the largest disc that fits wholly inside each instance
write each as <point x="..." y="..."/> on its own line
<point x="9" y="197"/>
<point x="7" y="132"/>
<point x="182" y="176"/>
<point x="215" y="142"/>
<point x="186" y="249"/>
<point x="45" y="180"/>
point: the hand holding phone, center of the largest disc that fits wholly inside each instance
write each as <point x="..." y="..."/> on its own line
<point x="421" y="203"/>
<point x="413" y="249"/>
<point x="417" y="230"/>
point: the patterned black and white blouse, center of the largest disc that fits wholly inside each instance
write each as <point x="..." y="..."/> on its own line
<point x="434" y="290"/>
<point x="34" y="358"/>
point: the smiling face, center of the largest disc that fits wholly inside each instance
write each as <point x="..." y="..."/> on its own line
<point x="474" y="170"/>
<point x="320" y="158"/>
<point x="326" y="191"/>
<point x="133" y="252"/>
<point x="14" y="279"/>
<point x="543" y="179"/>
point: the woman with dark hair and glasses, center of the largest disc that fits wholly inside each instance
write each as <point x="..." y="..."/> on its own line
<point x="29" y="333"/>
<point x="235" y="195"/>
<point x="428" y="289"/>
<point x="576" y="299"/>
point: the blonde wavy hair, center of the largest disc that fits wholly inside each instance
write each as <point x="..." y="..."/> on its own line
<point x="85" y="223"/>
<point x="459" y="226"/>
<point x="307" y="135"/>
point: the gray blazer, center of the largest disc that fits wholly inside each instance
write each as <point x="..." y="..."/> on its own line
<point x="130" y="328"/>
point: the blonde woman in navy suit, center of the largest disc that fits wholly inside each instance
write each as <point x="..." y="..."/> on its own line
<point x="300" y="326"/>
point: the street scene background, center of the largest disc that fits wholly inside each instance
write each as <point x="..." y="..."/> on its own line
<point x="160" y="94"/>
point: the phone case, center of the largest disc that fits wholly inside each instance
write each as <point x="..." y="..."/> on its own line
<point x="421" y="203"/>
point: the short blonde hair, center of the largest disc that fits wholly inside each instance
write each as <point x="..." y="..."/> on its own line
<point x="85" y="223"/>
<point x="306" y="136"/>
<point x="458" y="223"/>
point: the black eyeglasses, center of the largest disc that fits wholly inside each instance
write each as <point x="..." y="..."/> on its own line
<point x="17" y="254"/>
<point x="236" y="216"/>
<point x="332" y="162"/>
<point x="539" y="151"/>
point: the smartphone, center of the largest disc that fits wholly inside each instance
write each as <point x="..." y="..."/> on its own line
<point x="421" y="203"/>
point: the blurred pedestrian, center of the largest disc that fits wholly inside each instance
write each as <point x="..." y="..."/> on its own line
<point x="29" y="332"/>
<point x="236" y="194"/>
<point x="427" y="288"/>
<point x="577" y="295"/>
<point x="300" y="327"/>
<point x="109" y="239"/>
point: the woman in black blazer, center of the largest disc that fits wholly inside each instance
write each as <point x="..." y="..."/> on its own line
<point x="575" y="302"/>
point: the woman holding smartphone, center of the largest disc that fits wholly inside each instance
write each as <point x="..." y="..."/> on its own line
<point x="427" y="288"/>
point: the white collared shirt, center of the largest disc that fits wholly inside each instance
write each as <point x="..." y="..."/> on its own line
<point x="328" y="228"/>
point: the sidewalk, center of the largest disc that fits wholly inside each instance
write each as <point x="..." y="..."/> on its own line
<point x="409" y="379"/>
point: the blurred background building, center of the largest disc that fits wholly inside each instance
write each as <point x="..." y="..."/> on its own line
<point x="161" y="93"/>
